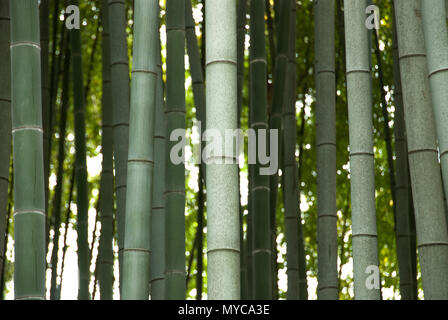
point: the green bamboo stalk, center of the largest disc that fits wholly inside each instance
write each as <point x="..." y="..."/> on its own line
<point x="137" y="244"/>
<point x="158" y="200"/>
<point x="327" y="236"/>
<point x="5" y="118"/>
<point x="82" y="201"/>
<point x="223" y="220"/>
<point x="436" y="41"/>
<point x="297" y="286"/>
<point x="362" y="171"/>
<point x="29" y="212"/>
<point x="105" y="258"/>
<point x="56" y="205"/>
<point x="261" y="249"/>
<point x="44" y="13"/>
<point x="175" y="173"/>
<point x="119" y="62"/>
<point x="432" y="232"/>
<point x="283" y="9"/>
<point x="408" y="281"/>
<point x="272" y="57"/>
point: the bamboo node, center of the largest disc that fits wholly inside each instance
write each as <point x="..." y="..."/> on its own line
<point x="223" y="249"/>
<point x="20" y="212"/>
<point x="25" y="43"/>
<point x="229" y="61"/>
<point x="23" y="128"/>
<point x="437" y="71"/>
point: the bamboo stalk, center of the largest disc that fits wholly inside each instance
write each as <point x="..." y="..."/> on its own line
<point x="105" y="260"/>
<point x="282" y="11"/>
<point x="261" y="249"/>
<point x="436" y="41"/>
<point x="223" y="217"/>
<point x="27" y="132"/>
<point x="82" y="201"/>
<point x="426" y="182"/>
<point x="327" y="249"/>
<point x="158" y="202"/>
<point x="119" y="63"/>
<point x="175" y="173"/>
<point x="408" y="281"/>
<point x="137" y="244"/>
<point x="362" y="171"/>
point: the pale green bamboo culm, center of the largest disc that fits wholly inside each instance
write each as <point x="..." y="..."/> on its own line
<point x="106" y="255"/>
<point x="29" y="211"/>
<point x="158" y="189"/>
<point x="327" y="244"/>
<point x="82" y="201"/>
<point x="436" y="41"/>
<point x="137" y="246"/>
<point x="362" y="171"/>
<point x="5" y="120"/>
<point x="406" y="247"/>
<point x="426" y="182"/>
<point x="175" y="282"/>
<point x="261" y="247"/>
<point x="119" y="63"/>
<point x="223" y="221"/>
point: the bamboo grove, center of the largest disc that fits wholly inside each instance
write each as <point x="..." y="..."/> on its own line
<point x="109" y="188"/>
